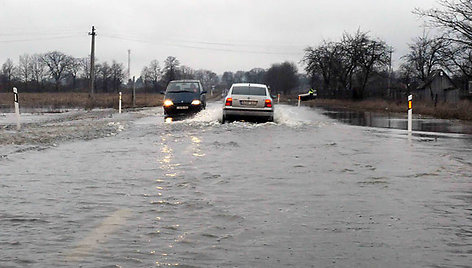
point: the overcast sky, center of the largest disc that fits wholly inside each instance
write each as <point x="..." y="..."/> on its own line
<point x="218" y="35"/>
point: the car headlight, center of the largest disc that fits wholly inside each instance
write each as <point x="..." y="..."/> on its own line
<point x="196" y="102"/>
<point x="168" y="103"/>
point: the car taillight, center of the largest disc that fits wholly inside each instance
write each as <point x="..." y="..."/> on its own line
<point x="229" y="102"/>
<point x="268" y="103"/>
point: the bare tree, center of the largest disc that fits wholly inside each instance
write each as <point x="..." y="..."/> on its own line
<point x="240" y="77"/>
<point x="186" y="72"/>
<point x="455" y="17"/>
<point x="338" y="63"/>
<point x="282" y="77"/>
<point x="255" y="75"/>
<point x="425" y="55"/>
<point x="38" y="70"/>
<point x="208" y="78"/>
<point x="171" y="69"/>
<point x="146" y="77"/>
<point x="372" y="54"/>
<point x="407" y="75"/>
<point x="227" y="79"/>
<point x="58" y="64"/>
<point x="104" y="75"/>
<point x="349" y="53"/>
<point x="117" y="75"/>
<point x="330" y="61"/>
<point x="24" y="69"/>
<point x="152" y="74"/>
<point x="8" y="72"/>
<point x="74" y="70"/>
<point x="85" y="67"/>
<point x="458" y="59"/>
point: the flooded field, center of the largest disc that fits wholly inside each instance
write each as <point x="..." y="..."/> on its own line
<point x="399" y="121"/>
<point x="99" y="189"/>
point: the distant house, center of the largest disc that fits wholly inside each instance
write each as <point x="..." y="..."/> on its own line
<point x="438" y="88"/>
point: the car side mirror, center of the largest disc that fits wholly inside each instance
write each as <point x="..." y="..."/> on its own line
<point x="162" y="92"/>
<point x="203" y="92"/>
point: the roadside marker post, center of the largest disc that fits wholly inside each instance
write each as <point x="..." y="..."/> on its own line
<point x="119" y="104"/>
<point x="299" y="100"/>
<point x="278" y="98"/>
<point x="410" y="113"/>
<point x="17" y="108"/>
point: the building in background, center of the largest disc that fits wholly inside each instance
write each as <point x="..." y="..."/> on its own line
<point x="439" y="88"/>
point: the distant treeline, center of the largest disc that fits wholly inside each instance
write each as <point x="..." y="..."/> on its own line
<point x="358" y="65"/>
<point x="355" y="66"/>
<point x="56" y="71"/>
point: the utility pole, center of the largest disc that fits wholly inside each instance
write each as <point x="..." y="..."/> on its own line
<point x="92" y="63"/>
<point x="134" y="92"/>
<point x="129" y="64"/>
<point x="389" y="82"/>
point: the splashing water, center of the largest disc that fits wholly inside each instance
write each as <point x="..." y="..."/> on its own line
<point x="287" y="115"/>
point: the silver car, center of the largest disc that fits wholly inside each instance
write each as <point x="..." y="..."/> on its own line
<point x="248" y="101"/>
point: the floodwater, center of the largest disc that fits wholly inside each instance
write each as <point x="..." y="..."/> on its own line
<point x="397" y="121"/>
<point x="99" y="189"/>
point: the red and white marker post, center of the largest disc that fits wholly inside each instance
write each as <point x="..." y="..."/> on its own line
<point x="119" y="104"/>
<point x="410" y="113"/>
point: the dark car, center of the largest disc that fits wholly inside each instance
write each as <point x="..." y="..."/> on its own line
<point x="183" y="98"/>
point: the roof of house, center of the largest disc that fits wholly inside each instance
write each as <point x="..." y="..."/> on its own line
<point x="433" y="76"/>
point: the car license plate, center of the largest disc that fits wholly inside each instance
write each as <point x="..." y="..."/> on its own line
<point x="248" y="102"/>
<point x="182" y="107"/>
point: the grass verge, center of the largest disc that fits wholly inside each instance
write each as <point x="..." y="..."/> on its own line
<point x="461" y="110"/>
<point x="54" y="101"/>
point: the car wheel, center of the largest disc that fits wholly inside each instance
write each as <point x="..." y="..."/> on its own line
<point x="270" y="119"/>
<point x="223" y="119"/>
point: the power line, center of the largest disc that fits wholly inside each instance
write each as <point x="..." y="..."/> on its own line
<point x="238" y="43"/>
<point x="175" y="44"/>
<point x="235" y="50"/>
<point x="40" y="33"/>
<point x="233" y="47"/>
<point x="39" y="39"/>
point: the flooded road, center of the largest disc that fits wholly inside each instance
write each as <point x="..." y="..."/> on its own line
<point x="306" y="191"/>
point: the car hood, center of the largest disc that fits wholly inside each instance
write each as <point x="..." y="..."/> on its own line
<point x="182" y="97"/>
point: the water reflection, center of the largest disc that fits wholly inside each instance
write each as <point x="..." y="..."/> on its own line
<point x="197" y="152"/>
<point x="397" y="121"/>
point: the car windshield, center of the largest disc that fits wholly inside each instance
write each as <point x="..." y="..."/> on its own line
<point x="183" y="87"/>
<point x="245" y="90"/>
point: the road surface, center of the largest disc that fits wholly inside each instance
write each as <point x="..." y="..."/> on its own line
<point x="99" y="189"/>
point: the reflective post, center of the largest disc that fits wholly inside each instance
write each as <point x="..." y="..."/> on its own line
<point x="299" y="100"/>
<point x="410" y="113"/>
<point x="17" y="108"/>
<point x="278" y="98"/>
<point x="119" y="104"/>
